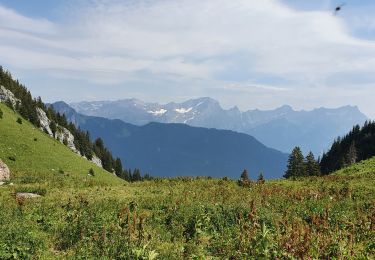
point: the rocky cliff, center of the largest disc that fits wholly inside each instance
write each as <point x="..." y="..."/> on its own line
<point x="7" y="96"/>
<point x="62" y="134"/>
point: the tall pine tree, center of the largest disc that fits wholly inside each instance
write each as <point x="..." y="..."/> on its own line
<point x="351" y="156"/>
<point x="118" y="167"/>
<point x="296" y="164"/>
<point x="312" y="166"/>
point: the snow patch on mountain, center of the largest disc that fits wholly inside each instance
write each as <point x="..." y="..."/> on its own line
<point x="158" y="112"/>
<point x="183" y="110"/>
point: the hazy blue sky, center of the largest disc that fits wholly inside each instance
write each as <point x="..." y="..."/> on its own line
<point x="249" y="53"/>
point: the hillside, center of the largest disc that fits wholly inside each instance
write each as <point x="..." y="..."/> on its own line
<point x="102" y="217"/>
<point x="16" y="96"/>
<point x="282" y="128"/>
<point x="180" y="150"/>
<point x="357" y="145"/>
<point x="42" y="159"/>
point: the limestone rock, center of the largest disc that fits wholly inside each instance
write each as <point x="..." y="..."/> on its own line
<point x="61" y="134"/>
<point x="26" y="195"/>
<point x="44" y="121"/>
<point x="64" y="134"/>
<point x="95" y="159"/>
<point x="4" y="172"/>
<point x="6" y="95"/>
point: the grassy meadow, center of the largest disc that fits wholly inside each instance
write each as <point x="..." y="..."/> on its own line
<point x="102" y="217"/>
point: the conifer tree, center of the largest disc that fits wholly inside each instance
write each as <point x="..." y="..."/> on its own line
<point x="118" y="167"/>
<point x="312" y="166"/>
<point x="296" y="165"/>
<point x="136" y="175"/>
<point x="244" y="180"/>
<point x="53" y="128"/>
<point x="125" y="175"/>
<point x="244" y="176"/>
<point x="260" y="178"/>
<point x="351" y="156"/>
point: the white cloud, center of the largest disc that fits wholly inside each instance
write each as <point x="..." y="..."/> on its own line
<point x="12" y="20"/>
<point x="110" y="42"/>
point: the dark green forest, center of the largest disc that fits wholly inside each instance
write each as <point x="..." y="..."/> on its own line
<point x="357" y="145"/>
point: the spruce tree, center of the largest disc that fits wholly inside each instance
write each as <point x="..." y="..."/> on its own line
<point x="312" y="166"/>
<point x="296" y="164"/>
<point x="260" y="178"/>
<point x="136" y="175"/>
<point x="125" y="175"/>
<point x="53" y="128"/>
<point x="351" y="156"/>
<point x="118" y="167"/>
<point x="244" y="176"/>
<point x="244" y="180"/>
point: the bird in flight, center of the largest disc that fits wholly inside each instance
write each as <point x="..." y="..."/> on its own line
<point x="338" y="8"/>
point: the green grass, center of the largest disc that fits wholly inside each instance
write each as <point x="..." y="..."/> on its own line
<point x="101" y="217"/>
<point x="40" y="158"/>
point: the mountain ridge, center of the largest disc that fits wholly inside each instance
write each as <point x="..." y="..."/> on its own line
<point x="178" y="149"/>
<point x="311" y="129"/>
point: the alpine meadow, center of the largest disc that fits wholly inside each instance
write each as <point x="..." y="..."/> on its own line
<point x="187" y="129"/>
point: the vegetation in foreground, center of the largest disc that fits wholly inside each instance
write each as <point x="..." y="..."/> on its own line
<point x="319" y="217"/>
<point x="82" y="215"/>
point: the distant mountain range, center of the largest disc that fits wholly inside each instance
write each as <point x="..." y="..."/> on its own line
<point x="178" y="149"/>
<point x="281" y="128"/>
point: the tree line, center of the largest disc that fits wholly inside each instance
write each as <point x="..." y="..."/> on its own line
<point x="357" y="145"/>
<point x="27" y="108"/>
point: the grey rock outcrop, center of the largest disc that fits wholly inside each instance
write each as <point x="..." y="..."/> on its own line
<point x="44" y="121"/>
<point x="26" y="195"/>
<point x="95" y="159"/>
<point x="62" y="134"/>
<point x="4" y="172"/>
<point x="7" y="95"/>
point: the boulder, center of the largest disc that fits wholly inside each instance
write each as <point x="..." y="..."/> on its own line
<point x="4" y="172"/>
<point x="26" y="195"/>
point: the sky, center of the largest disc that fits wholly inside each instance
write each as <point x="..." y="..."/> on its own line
<point x="245" y="53"/>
